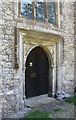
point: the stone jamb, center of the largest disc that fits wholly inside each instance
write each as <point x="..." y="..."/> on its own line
<point x="52" y="62"/>
<point x="23" y="67"/>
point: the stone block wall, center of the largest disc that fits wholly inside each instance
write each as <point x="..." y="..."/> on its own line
<point x="75" y="46"/>
<point x="7" y="26"/>
<point x="66" y="71"/>
<point x="0" y="59"/>
<point x="12" y="80"/>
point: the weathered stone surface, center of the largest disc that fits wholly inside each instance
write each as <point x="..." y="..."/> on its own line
<point x="12" y="81"/>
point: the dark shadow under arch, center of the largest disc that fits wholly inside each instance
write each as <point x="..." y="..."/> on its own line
<point x="36" y="73"/>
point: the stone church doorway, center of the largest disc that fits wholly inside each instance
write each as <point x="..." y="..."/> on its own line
<point x="36" y="73"/>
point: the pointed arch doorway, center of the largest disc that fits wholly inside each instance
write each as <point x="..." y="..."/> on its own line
<point x="36" y="73"/>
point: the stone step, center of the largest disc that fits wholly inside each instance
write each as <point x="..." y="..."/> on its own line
<point x="37" y="101"/>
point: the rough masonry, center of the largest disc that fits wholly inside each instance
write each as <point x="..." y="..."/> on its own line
<point x="60" y="54"/>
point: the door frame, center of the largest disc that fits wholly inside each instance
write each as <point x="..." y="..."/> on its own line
<point x="49" y="56"/>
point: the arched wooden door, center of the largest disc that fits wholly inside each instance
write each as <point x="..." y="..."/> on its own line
<point x="36" y="73"/>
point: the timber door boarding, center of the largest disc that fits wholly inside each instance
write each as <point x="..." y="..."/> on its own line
<point x="37" y="73"/>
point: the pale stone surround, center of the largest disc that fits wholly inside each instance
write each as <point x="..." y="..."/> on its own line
<point x="12" y="89"/>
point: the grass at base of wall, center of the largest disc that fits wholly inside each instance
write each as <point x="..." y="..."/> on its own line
<point x="57" y="110"/>
<point x="36" y="114"/>
<point x="71" y="99"/>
